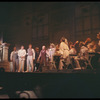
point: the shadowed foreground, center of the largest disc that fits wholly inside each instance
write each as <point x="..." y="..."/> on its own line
<point x="76" y="84"/>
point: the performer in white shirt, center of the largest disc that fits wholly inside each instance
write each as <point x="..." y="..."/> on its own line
<point x="91" y="46"/>
<point x="21" y="55"/>
<point x="64" y="50"/>
<point x="30" y="58"/>
<point x="14" y="59"/>
<point x="51" y="52"/>
<point x="51" y="55"/>
<point x="83" y="50"/>
<point x="72" y="50"/>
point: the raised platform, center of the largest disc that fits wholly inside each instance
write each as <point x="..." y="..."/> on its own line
<point x="5" y="65"/>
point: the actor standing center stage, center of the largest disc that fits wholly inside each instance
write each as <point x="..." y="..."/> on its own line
<point x="30" y="58"/>
<point x="42" y="55"/>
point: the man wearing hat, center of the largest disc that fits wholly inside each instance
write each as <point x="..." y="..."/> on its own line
<point x="51" y="54"/>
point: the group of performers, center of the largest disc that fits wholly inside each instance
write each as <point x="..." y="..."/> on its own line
<point x="58" y="56"/>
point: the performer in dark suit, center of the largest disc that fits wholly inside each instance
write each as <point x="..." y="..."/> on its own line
<point x="42" y="55"/>
<point x="36" y="58"/>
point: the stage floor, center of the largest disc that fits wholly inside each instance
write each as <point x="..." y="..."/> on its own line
<point x="75" y="70"/>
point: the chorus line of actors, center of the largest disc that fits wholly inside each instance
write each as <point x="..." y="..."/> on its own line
<point x="56" y="56"/>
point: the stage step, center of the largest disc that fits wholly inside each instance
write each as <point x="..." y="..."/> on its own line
<point x="5" y="65"/>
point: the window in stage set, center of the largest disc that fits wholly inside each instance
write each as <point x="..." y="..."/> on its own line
<point x="40" y="31"/>
<point x="34" y="35"/>
<point x="96" y="21"/>
<point x="87" y="23"/>
<point x="86" y="19"/>
<point x="45" y="30"/>
<point x="79" y="25"/>
<point x="40" y="27"/>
